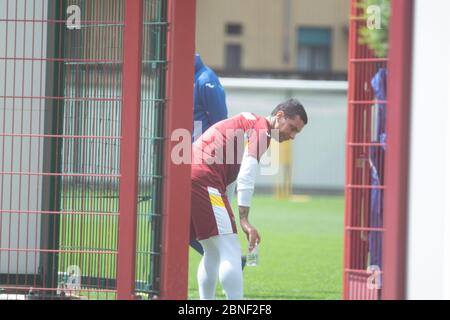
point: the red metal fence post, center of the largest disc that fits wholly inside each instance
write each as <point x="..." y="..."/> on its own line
<point x="129" y="148"/>
<point x="349" y="138"/>
<point x="397" y="154"/>
<point x="364" y="189"/>
<point x="177" y="178"/>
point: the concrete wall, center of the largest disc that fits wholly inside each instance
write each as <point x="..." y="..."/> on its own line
<point x="428" y="256"/>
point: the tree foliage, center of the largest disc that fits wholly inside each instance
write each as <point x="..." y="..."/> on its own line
<point x="375" y="32"/>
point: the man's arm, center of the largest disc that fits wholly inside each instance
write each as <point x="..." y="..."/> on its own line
<point x="251" y="232"/>
<point x="245" y="187"/>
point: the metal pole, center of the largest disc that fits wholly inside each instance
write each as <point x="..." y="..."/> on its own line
<point x="397" y="153"/>
<point x="54" y="115"/>
<point x="349" y="149"/>
<point x="177" y="182"/>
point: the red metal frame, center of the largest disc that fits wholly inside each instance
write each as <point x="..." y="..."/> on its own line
<point x="71" y="202"/>
<point x="397" y="155"/>
<point x="129" y="166"/>
<point x="66" y="207"/>
<point x="362" y="66"/>
<point x="361" y="150"/>
<point x="177" y="178"/>
<point x="349" y="154"/>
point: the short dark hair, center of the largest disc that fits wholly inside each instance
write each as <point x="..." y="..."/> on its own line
<point x="291" y="109"/>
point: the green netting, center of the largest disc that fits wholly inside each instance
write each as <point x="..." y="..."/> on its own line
<point x="151" y="147"/>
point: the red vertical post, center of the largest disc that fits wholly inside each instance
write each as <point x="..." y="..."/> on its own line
<point x="129" y="148"/>
<point x="177" y="178"/>
<point x="397" y="153"/>
<point x="349" y="149"/>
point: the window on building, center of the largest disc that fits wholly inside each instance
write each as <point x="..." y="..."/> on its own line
<point x="233" y="29"/>
<point x="233" y="56"/>
<point x="314" y="49"/>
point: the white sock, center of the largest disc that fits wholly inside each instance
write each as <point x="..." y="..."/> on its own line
<point x="223" y="258"/>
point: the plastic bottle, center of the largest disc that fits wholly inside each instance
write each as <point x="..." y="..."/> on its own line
<point x="252" y="256"/>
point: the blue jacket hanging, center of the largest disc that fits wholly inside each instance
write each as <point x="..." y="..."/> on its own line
<point x="376" y="160"/>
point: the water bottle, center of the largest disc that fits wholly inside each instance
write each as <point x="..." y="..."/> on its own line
<point x="252" y="256"/>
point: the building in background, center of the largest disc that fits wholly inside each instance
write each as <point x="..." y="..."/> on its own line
<point x="305" y="39"/>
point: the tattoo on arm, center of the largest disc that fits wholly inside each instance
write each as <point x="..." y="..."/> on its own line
<point x="243" y="212"/>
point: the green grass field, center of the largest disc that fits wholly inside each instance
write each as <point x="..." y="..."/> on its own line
<point x="301" y="252"/>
